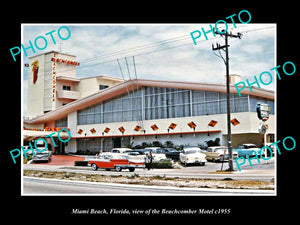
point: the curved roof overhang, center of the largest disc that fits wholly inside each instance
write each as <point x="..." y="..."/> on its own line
<point x="128" y="85"/>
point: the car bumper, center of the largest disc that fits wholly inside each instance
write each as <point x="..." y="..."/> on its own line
<point x="197" y="161"/>
<point x="41" y="159"/>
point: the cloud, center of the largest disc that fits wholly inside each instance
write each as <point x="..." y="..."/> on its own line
<point x="161" y="51"/>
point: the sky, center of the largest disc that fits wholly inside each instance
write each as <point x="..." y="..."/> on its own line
<point x="158" y="51"/>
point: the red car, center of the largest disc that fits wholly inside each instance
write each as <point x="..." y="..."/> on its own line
<point x="117" y="164"/>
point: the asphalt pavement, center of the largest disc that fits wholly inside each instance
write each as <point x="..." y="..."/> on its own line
<point x="264" y="171"/>
<point x="43" y="186"/>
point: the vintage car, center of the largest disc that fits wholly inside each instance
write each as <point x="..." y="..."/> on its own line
<point x="118" y="163"/>
<point x="192" y="156"/>
<point x="115" y="152"/>
<point x="157" y="155"/>
<point x="121" y="150"/>
<point x="118" y="151"/>
<point x="247" y="149"/>
<point x="171" y="153"/>
<point x="219" y="153"/>
<point x="42" y="156"/>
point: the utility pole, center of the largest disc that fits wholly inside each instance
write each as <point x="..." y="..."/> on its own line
<point x="226" y="61"/>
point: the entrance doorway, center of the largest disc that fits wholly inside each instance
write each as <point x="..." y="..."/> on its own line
<point x="116" y="142"/>
<point x="60" y="148"/>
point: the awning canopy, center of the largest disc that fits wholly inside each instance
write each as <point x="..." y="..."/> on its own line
<point x="29" y="135"/>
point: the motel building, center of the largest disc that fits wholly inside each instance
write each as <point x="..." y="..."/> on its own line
<point x="104" y="112"/>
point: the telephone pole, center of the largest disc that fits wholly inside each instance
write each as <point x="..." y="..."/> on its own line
<point x="226" y="61"/>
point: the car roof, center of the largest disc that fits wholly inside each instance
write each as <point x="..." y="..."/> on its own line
<point x="217" y="147"/>
<point x="192" y="148"/>
<point x="122" y="148"/>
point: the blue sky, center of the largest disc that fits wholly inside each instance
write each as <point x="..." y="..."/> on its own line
<point x="161" y="51"/>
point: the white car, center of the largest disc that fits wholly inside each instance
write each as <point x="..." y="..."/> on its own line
<point x="192" y="155"/>
<point x="115" y="153"/>
<point x="156" y="153"/>
<point x="219" y="153"/>
<point x="143" y="152"/>
<point x="42" y="156"/>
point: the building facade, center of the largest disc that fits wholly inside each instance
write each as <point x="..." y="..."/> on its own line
<point x="135" y="112"/>
<point x="52" y="82"/>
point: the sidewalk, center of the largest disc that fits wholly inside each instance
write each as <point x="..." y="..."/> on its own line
<point x="61" y="160"/>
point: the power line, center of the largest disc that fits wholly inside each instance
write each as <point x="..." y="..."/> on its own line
<point x="143" y="47"/>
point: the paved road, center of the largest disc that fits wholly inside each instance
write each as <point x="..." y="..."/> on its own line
<point x="263" y="171"/>
<point x="42" y="186"/>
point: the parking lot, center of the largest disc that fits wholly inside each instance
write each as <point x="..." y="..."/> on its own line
<point x="212" y="170"/>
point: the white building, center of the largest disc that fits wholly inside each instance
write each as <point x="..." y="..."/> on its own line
<point x="135" y="111"/>
<point x="55" y="83"/>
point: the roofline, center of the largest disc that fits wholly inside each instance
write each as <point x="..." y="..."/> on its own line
<point x="46" y="53"/>
<point x="65" y="78"/>
<point x="128" y="85"/>
<point x="103" y="77"/>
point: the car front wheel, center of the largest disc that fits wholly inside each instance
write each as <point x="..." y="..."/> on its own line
<point x="118" y="168"/>
<point x="94" y="167"/>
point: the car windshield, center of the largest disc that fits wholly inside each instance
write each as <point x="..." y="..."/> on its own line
<point x="190" y="152"/>
<point x="221" y="150"/>
<point x="133" y="153"/>
<point x="170" y="150"/>
<point x="250" y="146"/>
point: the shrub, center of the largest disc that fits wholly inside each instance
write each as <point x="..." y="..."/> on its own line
<point x="157" y="144"/>
<point x="163" y="164"/>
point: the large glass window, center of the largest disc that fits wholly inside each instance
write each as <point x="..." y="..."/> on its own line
<point x="158" y="103"/>
<point x="62" y="122"/>
<point x="163" y="103"/>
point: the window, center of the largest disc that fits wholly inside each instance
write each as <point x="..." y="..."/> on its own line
<point x="66" y="88"/>
<point x="102" y="87"/>
<point x="62" y="122"/>
<point x="158" y="103"/>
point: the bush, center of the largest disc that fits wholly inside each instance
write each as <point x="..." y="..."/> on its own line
<point x="163" y="164"/>
<point x="216" y="142"/>
<point x="81" y="163"/>
<point x="157" y="144"/>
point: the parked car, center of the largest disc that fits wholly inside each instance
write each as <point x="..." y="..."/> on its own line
<point x="156" y="153"/>
<point x="247" y="149"/>
<point x="42" y="156"/>
<point x="171" y="153"/>
<point x="120" y="150"/>
<point x="272" y="147"/>
<point x="117" y="164"/>
<point x="136" y="155"/>
<point x="219" y="153"/>
<point x="115" y="152"/>
<point x="192" y="156"/>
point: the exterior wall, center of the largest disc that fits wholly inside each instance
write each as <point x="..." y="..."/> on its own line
<point x="41" y="95"/>
<point x="248" y="124"/>
<point x="90" y="85"/>
<point x="35" y="100"/>
<point x="87" y="86"/>
<point x="106" y="82"/>
<point x="64" y="69"/>
<point x="33" y="126"/>
<point x="245" y="132"/>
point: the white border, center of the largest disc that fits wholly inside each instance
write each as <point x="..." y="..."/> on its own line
<point x="138" y="24"/>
